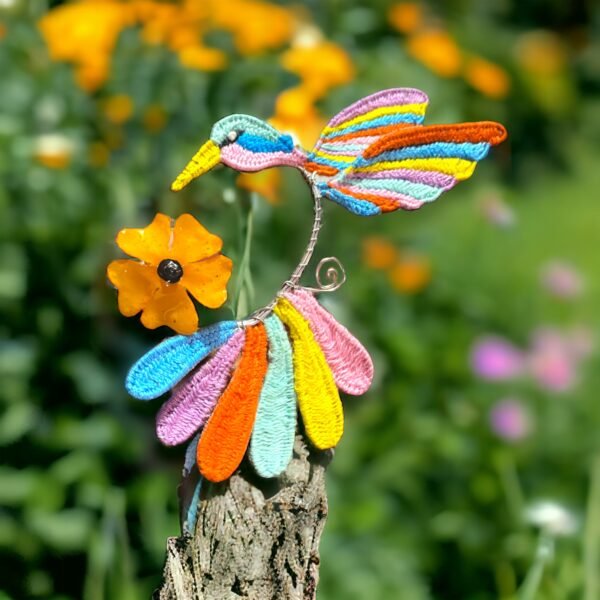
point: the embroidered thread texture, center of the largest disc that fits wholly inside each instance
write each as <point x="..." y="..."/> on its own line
<point x="318" y="397"/>
<point x="165" y="365"/>
<point x="194" y="399"/>
<point x="272" y="440"/>
<point x="226" y="435"/>
<point x="347" y="358"/>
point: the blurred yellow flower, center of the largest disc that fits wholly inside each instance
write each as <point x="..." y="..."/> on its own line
<point x="437" y="50"/>
<point x="379" y="253"/>
<point x="154" y="118"/>
<point x="406" y="17"/>
<point x="53" y="151"/>
<point x="118" y="109"/>
<point x="488" y="78"/>
<point x="320" y="67"/>
<point x="411" y="274"/>
<point x="98" y="154"/>
<point x="541" y="52"/>
<point x="265" y="183"/>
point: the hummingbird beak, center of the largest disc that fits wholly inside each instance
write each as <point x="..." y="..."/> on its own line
<point x="204" y="160"/>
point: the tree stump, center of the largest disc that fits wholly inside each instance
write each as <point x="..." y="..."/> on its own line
<point x="254" y="538"/>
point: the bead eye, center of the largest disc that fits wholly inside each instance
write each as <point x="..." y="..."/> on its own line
<point x="232" y="136"/>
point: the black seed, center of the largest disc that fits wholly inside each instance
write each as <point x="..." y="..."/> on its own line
<point x="170" y="270"/>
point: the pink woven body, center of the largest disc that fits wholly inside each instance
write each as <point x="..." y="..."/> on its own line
<point x="193" y="401"/>
<point x="347" y="358"/>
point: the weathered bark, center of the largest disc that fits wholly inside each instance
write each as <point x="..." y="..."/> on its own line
<point x="254" y="538"/>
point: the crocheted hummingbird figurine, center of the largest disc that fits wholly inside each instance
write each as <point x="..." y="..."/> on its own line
<point x="375" y="156"/>
<point x="239" y="383"/>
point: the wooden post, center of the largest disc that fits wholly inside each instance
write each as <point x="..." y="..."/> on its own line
<point x="254" y="538"/>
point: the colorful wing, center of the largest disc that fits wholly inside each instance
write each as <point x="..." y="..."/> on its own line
<point x="412" y="166"/>
<point x="359" y="125"/>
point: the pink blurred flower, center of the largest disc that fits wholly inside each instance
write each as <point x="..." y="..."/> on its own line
<point x="510" y="420"/>
<point x="497" y="212"/>
<point x="496" y="359"/>
<point x="562" y="280"/>
<point x="551" y="361"/>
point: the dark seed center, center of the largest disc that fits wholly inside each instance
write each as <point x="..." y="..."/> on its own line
<point x="170" y="270"/>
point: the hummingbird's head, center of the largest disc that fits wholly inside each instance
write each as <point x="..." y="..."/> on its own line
<point x="243" y="143"/>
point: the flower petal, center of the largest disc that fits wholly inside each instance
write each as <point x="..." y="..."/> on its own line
<point x="272" y="443"/>
<point x="318" y="397"/>
<point x="136" y="283"/>
<point x="347" y="358"/>
<point x="171" y="306"/>
<point x="192" y="242"/>
<point x="193" y="401"/>
<point x="226" y="435"/>
<point x="170" y="361"/>
<point x="207" y="280"/>
<point x="150" y="244"/>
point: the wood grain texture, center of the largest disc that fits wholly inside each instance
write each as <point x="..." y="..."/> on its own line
<point x="255" y="538"/>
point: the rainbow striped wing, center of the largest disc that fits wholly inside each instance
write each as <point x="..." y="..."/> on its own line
<point x="359" y="125"/>
<point x="412" y="166"/>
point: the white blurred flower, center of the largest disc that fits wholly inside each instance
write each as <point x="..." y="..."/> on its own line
<point x="551" y="517"/>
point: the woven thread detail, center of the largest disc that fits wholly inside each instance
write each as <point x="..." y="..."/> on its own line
<point x="194" y="399"/>
<point x="318" y="397"/>
<point x="272" y="440"/>
<point x="347" y="358"/>
<point x="189" y="525"/>
<point x="165" y="365"/>
<point x="226" y="435"/>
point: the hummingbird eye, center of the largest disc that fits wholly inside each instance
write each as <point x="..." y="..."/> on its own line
<point x="232" y="136"/>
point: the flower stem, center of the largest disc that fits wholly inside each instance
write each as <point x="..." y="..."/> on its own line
<point x="531" y="584"/>
<point x="591" y="542"/>
<point x="244" y="287"/>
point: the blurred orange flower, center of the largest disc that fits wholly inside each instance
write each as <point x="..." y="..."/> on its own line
<point x="256" y="26"/>
<point x="174" y="261"/>
<point x="488" y="78"/>
<point x="411" y="274"/>
<point x="266" y="183"/>
<point x="118" y="109"/>
<point x="154" y="118"/>
<point x="541" y="52"/>
<point x="378" y="253"/>
<point x="320" y="66"/>
<point x="437" y="50"/>
<point x="202" y="58"/>
<point x="98" y="154"/>
<point x="85" y="33"/>
<point x="2" y="30"/>
<point x="406" y="17"/>
<point x="296" y="114"/>
<point x="53" y="151"/>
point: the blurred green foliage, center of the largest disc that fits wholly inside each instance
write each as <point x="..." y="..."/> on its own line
<point x="425" y="500"/>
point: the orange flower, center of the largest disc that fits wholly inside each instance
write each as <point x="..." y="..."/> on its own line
<point x="487" y="78"/>
<point x="53" y="150"/>
<point x="266" y="183"/>
<point x="296" y="114"/>
<point x="437" y="50"/>
<point x="2" y="30"/>
<point x="118" y="109"/>
<point x="411" y="274"/>
<point x="542" y="53"/>
<point x="379" y="253"/>
<point x="175" y="260"/>
<point x="202" y="58"/>
<point x="406" y="17"/>
<point x="155" y="118"/>
<point x="321" y="66"/>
